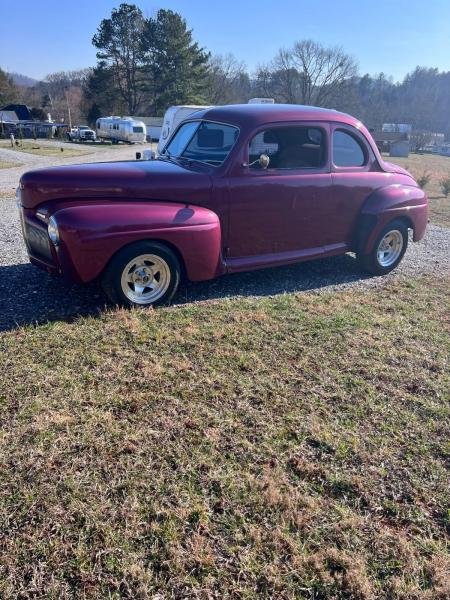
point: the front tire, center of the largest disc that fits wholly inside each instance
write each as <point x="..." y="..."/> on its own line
<point x="388" y="249"/>
<point x="142" y="274"/>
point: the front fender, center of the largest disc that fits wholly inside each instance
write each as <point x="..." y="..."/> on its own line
<point x="396" y="201"/>
<point x="92" y="231"/>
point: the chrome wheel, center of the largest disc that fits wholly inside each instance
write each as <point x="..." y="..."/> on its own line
<point x="145" y="279"/>
<point x="390" y="248"/>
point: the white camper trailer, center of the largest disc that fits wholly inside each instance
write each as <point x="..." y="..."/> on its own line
<point x="173" y="117"/>
<point x="121" y="129"/>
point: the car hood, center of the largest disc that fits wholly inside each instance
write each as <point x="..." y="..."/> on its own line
<point x="146" y="180"/>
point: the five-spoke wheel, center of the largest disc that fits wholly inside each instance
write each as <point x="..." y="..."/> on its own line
<point x="142" y="274"/>
<point x="388" y="249"/>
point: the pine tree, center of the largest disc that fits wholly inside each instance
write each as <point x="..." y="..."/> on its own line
<point x="119" y="44"/>
<point x="8" y="91"/>
<point x="101" y="90"/>
<point x="176" y="66"/>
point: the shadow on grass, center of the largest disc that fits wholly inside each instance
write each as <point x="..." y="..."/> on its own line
<point x="29" y="295"/>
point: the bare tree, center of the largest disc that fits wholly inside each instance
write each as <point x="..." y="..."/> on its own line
<point x="225" y="80"/>
<point x="308" y="73"/>
<point x="323" y="70"/>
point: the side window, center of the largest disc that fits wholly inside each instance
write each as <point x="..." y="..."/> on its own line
<point x="289" y="148"/>
<point x="347" y="150"/>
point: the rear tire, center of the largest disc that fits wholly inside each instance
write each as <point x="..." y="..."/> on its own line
<point x="388" y="249"/>
<point x="143" y="274"/>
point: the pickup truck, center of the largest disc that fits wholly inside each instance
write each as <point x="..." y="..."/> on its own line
<point x="236" y="188"/>
<point x="81" y="134"/>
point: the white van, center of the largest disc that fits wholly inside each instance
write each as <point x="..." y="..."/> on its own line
<point x="173" y="117"/>
<point x="121" y="129"/>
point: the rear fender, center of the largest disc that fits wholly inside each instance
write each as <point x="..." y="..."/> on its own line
<point x="395" y="201"/>
<point x="92" y="232"/>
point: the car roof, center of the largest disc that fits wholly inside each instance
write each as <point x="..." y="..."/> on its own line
<point x="253" y="115"/>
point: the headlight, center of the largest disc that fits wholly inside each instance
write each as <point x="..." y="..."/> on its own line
<point x="53" y="232"/>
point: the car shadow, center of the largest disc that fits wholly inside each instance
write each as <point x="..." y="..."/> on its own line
<point x="29" y="295"/>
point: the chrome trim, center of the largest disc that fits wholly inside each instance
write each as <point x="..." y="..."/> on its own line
<point x="42" y="214"/>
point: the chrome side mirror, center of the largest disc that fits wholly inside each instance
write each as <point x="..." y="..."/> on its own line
<point x="264" y="161"/>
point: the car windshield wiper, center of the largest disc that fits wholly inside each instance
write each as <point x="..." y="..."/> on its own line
<point x="195" y="160"/>
<point x="170" y="158"/>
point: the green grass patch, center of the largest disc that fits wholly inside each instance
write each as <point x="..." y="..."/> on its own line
<point x="54" y="149"/>
<point x="283" y="447"/>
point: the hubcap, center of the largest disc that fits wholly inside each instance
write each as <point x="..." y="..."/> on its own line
<point x="390" y="248"/>
<point x="145" y="279"/>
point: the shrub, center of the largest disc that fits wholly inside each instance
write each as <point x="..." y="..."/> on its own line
<point x="424" y="179"/>
<point x="445" y="185"/>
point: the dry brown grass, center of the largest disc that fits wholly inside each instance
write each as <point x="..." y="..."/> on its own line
<point x="438" y="167"/>
<point x="7" y="193"/>
<point x="7" y="165"/>
<point x="286" y="447"/>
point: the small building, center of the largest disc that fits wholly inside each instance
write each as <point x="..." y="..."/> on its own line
<point x="396" y="128"/>
<point x="8" y="121"/>
<point x="17" y="119"/>
<point x="396" y="143"/>
<point x="154" y="126"/>
<point x="8" y="116"/>
<point x="22" y="111"/>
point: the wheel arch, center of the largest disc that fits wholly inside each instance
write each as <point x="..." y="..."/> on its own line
<point x="156" y="240"/>
<point x="91" y="236"/>
<point x="403" y="203"/>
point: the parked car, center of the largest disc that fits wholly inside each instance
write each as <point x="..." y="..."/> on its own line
<point x="82" y="133"/>
<point x="121" y="129"/>
<point x="237" y="188"/>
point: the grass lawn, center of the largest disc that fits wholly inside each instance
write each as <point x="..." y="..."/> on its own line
<point x="54" y="149"/>
<point x="282" y="447"/>
<point x="437" y="167"/>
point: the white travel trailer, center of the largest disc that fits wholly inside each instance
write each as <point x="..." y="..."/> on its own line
<point x="261" y="101"/>
<point x="121" y="129"/>
<point x="173" y="117"/>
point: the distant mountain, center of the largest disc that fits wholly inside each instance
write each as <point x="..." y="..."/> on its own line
<point x="24" y="80"/>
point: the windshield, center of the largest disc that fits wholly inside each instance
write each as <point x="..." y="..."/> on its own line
<point x="203" y="141"/>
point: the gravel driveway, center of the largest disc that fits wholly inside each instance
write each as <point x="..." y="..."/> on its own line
<point x="29" y="295"/>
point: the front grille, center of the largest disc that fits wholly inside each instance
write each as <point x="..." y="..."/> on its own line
<point x="37" y="242"/>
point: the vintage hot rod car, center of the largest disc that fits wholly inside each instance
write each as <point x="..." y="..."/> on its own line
<point x="237" y="188"/>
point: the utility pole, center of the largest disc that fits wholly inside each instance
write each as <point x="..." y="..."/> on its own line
<point x="68" y="107"/>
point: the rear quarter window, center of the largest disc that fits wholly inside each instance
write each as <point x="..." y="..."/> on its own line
<point x="347" y="150"/>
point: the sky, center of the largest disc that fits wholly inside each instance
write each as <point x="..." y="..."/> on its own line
<point x="383" y="36"/>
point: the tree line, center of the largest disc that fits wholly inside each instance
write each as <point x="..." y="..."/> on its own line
<point x="146" y="64"/>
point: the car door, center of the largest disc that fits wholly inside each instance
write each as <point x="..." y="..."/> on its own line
<point x="355" y="174"/>
<point x="280" y="213"/>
